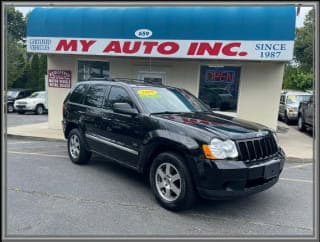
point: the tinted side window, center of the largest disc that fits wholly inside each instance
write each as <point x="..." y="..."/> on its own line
<point x="118" y="95"/>
<point x="78" y="94"/>
<point x="95" y="95"/>
<point x="282" y="99"/>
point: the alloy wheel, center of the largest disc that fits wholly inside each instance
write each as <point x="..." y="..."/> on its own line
<point x="168" y="181"/>
<point x="74" y="146"/>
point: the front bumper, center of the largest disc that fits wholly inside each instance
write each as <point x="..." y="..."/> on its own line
<point x="292" y="115"/>
<point x="224" y="179"/>
<point x="24" y="107"/>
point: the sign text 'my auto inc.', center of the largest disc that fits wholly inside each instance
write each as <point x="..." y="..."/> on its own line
<point x="198" y="49"/>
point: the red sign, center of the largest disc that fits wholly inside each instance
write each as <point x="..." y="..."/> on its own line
<point x="59" y="78"/>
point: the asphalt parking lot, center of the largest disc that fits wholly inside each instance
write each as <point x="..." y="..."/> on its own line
<point x="15" y="119"/>
<point x="47" y="195"/>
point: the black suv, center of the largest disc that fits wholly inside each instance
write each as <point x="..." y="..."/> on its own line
<point x="15" y="94"/>
<point x="167" y="133"/>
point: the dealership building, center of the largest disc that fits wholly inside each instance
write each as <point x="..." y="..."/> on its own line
<point x="231" y="57"/>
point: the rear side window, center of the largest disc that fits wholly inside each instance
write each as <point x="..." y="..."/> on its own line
<point x="95" y="95"/>
<point x="78" y="94"/>
<point x="118" y="95"/>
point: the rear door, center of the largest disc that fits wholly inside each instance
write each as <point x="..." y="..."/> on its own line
<point x="76" y="109"/>
<point x="93" y="116"/>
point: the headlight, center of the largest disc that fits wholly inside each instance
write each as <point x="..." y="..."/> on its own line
<point x="219" y="149"/>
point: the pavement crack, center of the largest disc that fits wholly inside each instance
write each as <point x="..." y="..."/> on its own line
<point x="74" y="198"/>
<point x="250" y="222"/>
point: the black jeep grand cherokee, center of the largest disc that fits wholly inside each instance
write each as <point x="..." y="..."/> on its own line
<point x="166" y="132"/>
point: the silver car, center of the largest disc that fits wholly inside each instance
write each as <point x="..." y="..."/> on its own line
<point x="289" y="104"/>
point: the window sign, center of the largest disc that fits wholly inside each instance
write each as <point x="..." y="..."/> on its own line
<point x="219" y="87"/>
<point x="59" y="78"/>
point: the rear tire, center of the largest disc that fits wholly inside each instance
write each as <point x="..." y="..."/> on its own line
<point x="171" y="182"/>
<point x="77" y="149"/>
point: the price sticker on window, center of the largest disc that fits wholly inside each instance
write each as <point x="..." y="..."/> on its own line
<point x="292" y="97"/>
<point x="148" y="94"/>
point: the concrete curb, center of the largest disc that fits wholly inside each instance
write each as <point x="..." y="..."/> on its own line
<point x="297" y="159"/>
<point x="35" y="138"/>
<point x="289" y="159"/>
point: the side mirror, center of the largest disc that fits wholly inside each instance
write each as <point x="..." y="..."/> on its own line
<point x="124" y="108"/>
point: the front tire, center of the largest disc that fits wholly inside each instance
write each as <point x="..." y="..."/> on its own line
<point x="301" y="125"/>
<point x="10" y="108"/>
<point x="77" y="149"/>
<point x="171" y="182"/>
<point x="39" y="109"/>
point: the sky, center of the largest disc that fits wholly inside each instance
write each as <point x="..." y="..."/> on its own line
<point x="299" y="19"/>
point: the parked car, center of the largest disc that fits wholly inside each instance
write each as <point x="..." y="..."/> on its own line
<point x="305" y="114"/>
<point x="15" y="94"/>
<point x="37" y="103"/>
<point x="289" y="105"/>
<point x="170" y="135"/>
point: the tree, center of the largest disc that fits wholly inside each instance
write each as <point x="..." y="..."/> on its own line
<point x="35" y="72"/>
<point x="42" y="71"/>
<point x="16" y="25"/>
<point x="303" y="50"/>
<point x="301" y="76"/>
<point x="15" y="62"/>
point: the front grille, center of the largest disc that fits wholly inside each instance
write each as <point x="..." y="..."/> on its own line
<point x="257" y="149"/>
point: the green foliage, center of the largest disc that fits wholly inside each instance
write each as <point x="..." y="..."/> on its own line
<point x="16" y="25"/>
<point x="35" y="70"/>
<point x="15" y="62"/>
<point x="24" y="70"/>
<point x="296" y="78"/>
<point x="301" y="75"/>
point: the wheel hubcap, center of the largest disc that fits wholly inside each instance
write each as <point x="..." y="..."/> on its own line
<point x="74" y="146"/>
<point x="168" y="182"/>
<point x="40" y="110"/>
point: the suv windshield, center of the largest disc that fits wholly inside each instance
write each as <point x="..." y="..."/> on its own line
<point x="12" y="93"/>
<point x="168" y="100"/>
<point x="37" y="95"/>
<point x="297" y="98"/>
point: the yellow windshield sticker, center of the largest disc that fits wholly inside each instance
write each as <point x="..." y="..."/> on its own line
<point x="148" y="93"/>
<point x="291" y="97"/>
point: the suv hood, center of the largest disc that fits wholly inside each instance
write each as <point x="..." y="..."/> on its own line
<point x="30" y="100"/>
<point x="219" y="125"/>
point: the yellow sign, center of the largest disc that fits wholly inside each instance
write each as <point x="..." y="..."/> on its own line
<point x="148" y="93"/>
<point x="291" y="97"/>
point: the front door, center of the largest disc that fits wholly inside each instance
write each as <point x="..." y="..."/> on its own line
<point x="122" y="132"/>
<point x="153" y="77"/>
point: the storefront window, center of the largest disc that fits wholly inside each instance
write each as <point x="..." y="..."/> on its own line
<point x="92" y="69"/>
<point x="219" y="87"/>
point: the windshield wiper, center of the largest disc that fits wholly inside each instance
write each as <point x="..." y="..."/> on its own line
<point x="167" y="112"/>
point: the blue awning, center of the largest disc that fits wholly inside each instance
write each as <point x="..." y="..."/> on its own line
<point x="175" y="23"/>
